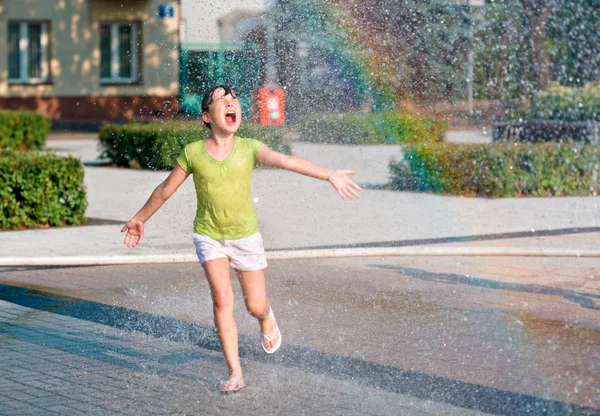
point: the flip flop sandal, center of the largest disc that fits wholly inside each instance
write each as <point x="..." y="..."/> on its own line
<point x="239" y="384"/>
<point x="270" y="338"/>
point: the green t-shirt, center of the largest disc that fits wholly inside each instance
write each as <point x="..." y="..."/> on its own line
<point x="224" y="210"/>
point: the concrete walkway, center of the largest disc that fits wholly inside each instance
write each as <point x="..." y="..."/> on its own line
<point x="361" y="336"/>
<point x="379" y="335"/>
<point x="296" y="212"/>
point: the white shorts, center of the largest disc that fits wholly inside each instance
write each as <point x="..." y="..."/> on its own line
<point x="246" y="254"/>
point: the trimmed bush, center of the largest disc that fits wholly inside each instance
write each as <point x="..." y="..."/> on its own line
<point x="548" y="131"/>
<point x="566" y="104"/>
<point x="557" y="114"/>
<point x="23" y="130"/>
<point x="40" y="189"/>
<point x="499" y="169"/>
<point x="158" y="145"/>
<point x="371" y="128"/>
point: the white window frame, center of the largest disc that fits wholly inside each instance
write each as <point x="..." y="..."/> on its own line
<point x="114" y="54"/>
<point x="24" y="77"/>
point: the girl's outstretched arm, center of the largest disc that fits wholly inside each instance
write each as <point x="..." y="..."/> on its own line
<point x="135" y="226"/>
<point x="344" y="186"/>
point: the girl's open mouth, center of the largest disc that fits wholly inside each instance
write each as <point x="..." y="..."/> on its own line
<point x="230" y="117"/>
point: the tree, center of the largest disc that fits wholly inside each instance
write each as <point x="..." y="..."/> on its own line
<point x="401" y="49"/>
<point x="512" y="56"/>
<point x="574" y="42"/>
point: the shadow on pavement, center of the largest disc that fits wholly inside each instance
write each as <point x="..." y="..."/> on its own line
<point x="396" y="380"/>
<point x="585" y="300"/>
<point x="459" y="239"/>
<point x="100" y="347"/>
<point x="89" y="222"/>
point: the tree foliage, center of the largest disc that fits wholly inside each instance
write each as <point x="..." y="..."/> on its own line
<point x="511" y="54"/>
<point x="418" y="49"/>
<point x="523" y="46"/>
<point x="574" y="42"/>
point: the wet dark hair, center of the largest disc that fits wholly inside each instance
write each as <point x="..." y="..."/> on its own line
<point x="207" y="99"/>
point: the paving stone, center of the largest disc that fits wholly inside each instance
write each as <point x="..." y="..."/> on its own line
<point x="30" y="411"/>
<point x="16" y="404"/>
<point x="63" y="410"/>
<point x="96" y="369"/>
<point x="5" y="410"/>
<point x="17" y="395"/>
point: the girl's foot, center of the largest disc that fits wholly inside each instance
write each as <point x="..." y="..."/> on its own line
<point x="272" y="342"/>
<point x="232" y="385"/>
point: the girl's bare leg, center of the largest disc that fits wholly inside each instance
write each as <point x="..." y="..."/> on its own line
<point x="217" y="273"/>
<point x="255" y="295"/>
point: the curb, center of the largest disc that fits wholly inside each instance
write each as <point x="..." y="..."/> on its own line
<point x="304" y="254"/>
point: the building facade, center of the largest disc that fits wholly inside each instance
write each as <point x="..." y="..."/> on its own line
<point x="223" y="43"/>
<point x="90" y="60"/>
<point x="201" y="19"/>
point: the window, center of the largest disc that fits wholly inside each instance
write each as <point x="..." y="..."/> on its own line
<point x="119" y="53"/>
<point x="28" y="52"/>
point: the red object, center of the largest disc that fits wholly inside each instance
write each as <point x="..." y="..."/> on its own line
<point x="268" y="106"/>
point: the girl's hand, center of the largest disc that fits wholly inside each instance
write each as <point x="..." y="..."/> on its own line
<point x="344" y="186"/>
<point x="135" y="232"/>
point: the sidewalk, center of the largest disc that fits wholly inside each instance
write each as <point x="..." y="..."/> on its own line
<point x="361" y="336"/>
<point x="296" y="212"/>
<point x="376" y="335"/>
<point x="90" y="368"/>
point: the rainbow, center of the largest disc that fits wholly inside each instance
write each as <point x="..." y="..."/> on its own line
<point x="341" y="27"/>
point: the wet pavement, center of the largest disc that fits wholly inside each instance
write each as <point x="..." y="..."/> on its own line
<point x="364" y="335"/>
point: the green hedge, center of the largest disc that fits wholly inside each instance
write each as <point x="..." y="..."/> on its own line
<point x="534" y="131"/>
<point x="499" y="169"/>
<point x="23" y="130"/>
<point x="40" y="189"/>
<point x="158" y="145"/>
<point x="371" y="128"/>
<point x="566" y="104"/>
